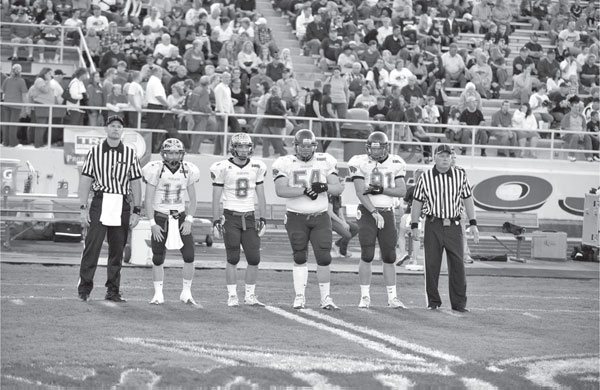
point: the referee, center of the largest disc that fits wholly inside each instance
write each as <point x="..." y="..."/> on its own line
<point x="112" y="171"/>
<point x="439" y="194"/>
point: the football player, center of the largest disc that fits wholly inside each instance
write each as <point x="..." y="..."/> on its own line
<point x="304" y="179"/>
<point x="167" y="181"/>
<point x="378" y="179"/>
<point x="238" y="181"/>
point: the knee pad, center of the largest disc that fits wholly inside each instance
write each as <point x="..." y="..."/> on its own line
<point x="323" y="258"/>
<point x="233" y="257"/>
<point x="300" y="257"/>
<point x="188" y="259"/>
<point x="253" y="260"/>
<point x="158" y="259"/>
<point x="388" y="256"/>
<point x="367" y="253"/>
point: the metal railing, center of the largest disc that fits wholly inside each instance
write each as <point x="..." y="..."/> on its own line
<point x="392" y="129"/>
<point x="60" y="46"/>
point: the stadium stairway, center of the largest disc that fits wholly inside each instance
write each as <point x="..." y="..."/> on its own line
<point x="304" y="67"/>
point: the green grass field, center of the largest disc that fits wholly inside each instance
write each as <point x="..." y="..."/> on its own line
<point x="522" y="333"/>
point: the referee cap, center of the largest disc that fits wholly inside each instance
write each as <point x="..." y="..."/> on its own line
<point x="115" y="118"/>
<point x="443" y="148"/>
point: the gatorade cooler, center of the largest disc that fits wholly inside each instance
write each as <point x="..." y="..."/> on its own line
<point x="8" y="168"/>
<point x="549" y="245"/>
<point x="141" y="250"/>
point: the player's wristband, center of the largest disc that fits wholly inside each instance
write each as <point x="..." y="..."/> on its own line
<point x="137" y="210"/>
<point x="189" y="218"/>
<point x="472" y="222"/>
<point x="414" y="225"/>
<point x="152" y="222"/>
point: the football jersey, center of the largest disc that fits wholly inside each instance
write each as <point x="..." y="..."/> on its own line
<point x="302" y="174"/>
<point x="381" y="174"/>
<point x="239" y="183"/>
<point x="171" y="187"/>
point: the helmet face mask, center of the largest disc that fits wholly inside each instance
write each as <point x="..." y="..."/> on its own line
<point x="241" y="146"/>
<point x="305" y="145"/>
<point x="377" y="146"/>
<point x="172" y="152"/>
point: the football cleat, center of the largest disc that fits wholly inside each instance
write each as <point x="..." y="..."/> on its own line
<point x="158" y="299"/>
<point x="365" y="302"/>
<point x="395" y="303"/>
<point x="252" y="300"/>
<point x="402" y="260"/>
<point x="187" y="298"/>
<point x="327" y="304"/>
<point x="233" y="301"/>
<point x="299" y="302"/>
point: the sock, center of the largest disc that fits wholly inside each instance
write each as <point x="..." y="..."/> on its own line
<point x="158" y="287"/>
<point x="365" y="291"/>
<point x="250" y="289"/>
<point x="391" y="291"/>
<point x="232" y="289"/>
<point x="300" y="275"/>
<point x="187" y="285"/>
<point x="324" y="288"/>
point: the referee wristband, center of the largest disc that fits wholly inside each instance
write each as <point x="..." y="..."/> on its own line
<point x="472" y="222"/>
<point x="152" y="222"/>
<point x="414" y="225"/>
<point x="189" y="218"/>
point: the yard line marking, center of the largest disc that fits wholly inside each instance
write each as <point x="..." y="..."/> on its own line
<point x="73" y="372"/>
<point x="286" y="360"/>
<point x="543" y="373"/>
<point x="138" y="378"/>
<point x="571" y="298"/>
<point x="385" y="337"/>
<point x="531" y="315"/>
<point x="316" y="381"/>
<point x="31" y="382"/>
<point x="375" y="346"/>
<point x="513" y="361"/>
<point x="18" y="302"/>
<point x="477" y="384"/>
<point x="397" y="382"/>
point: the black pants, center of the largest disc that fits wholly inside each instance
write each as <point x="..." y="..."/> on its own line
<point x="117" y="237"/>
<point x="153" y="121"/>
<point x="437" y="238"/>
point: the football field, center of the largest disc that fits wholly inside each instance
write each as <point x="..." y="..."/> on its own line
<point x="521" y="333"/>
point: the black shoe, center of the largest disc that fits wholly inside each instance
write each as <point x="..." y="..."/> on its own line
<point x="403" y="260"/>
<point x="433" y="307"/>
<point x="483" y="153"/>
<point x="512" y="154"/>
<point x="461" y="309"/>
<point x="84" y="297"/>
<point x="114" y="297"/>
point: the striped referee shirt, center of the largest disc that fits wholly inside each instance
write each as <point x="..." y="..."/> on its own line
<point x="112" y="169"/>
<point x="442" y="193"/>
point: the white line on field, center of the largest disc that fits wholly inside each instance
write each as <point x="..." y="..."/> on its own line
<point x="543" y="373"/>
<point x="526" y="314"/>
<point x="513" y="361"/>
<point x="316" y="381"/>
<point x="397" y="382"/>
<point x="382" y="336"/>
<point x="138" y="378"/>
<point x="375" y="346"/>
<point x="477" y="384"/>
<point x="30" y="382"/>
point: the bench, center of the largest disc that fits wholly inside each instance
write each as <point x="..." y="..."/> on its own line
<point x="490" y="219"/>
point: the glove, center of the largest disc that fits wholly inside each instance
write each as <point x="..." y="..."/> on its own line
<point x="319" y="187"/>
<point x="261" y="226"/>
<point x="218" y="229"/>
<point x="310" y="193"/>
<point x="379" y="221"/>
<point x="374" y="190"/>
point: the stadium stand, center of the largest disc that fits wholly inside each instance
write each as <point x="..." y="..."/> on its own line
<point x="541" y="57"/>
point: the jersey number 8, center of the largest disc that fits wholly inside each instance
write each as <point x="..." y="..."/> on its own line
<point x="241" y="188"/>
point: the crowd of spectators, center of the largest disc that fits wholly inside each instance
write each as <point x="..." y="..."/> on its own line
<point x="396" y="60"/>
